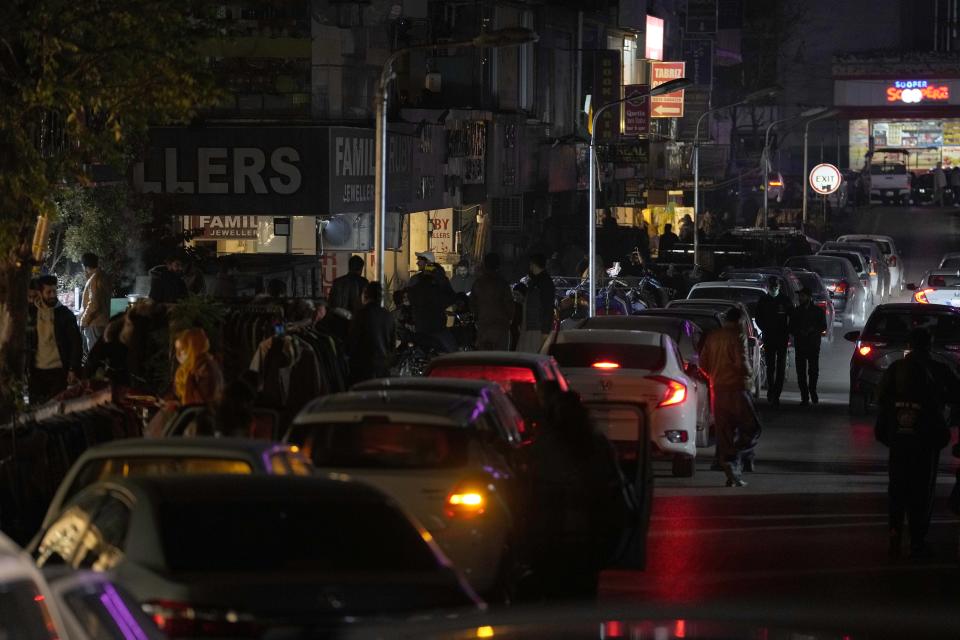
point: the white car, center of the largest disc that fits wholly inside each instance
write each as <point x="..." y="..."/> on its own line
<point x="78" y="605"/>
<point x="950" y="261"/>
<point x="941" y="286"/>
<point x="889" y="249"/>
<point x="440" y="456"/>
<point x="626" y="377"/>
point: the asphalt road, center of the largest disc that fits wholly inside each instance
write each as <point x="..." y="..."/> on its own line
<point x="811" y="526"/>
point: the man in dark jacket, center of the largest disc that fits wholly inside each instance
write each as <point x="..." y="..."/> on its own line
<point x="538" y="306"/>
<point x="912" y="398"/>
<point x="55" y="344"/>
<point x="491" y="302"/>
<point x="166" y="282"/>
<point x="429" y="297"/>
<point x="347" y="290"/>
<point x="808" y="323"/>
<point x="668" y="239"/>
<point x="373" y="337"/>
<point x="773" y="317"/>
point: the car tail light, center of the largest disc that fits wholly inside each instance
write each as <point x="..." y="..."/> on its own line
<point x="820" y="303"/>
<point x="180" y="619"/>
<point x="841" y="287"/>
<point x="868" y="349"/>
<point x="892" y="261"/>
<point x="865" y="350"/>
<point x="467" y="501"/>
<point x="675" y="393"/>
<point x="606" y="365"/>
<point x="921" y="296"/>
<point x="776" y="183"/>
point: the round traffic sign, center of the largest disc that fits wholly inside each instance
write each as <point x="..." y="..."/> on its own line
<point x="825" y="179"/>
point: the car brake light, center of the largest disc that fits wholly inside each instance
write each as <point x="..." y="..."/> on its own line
<point x="776" y="183"/>
<point x="840" y="287"/>
<point x="865" y="350"/>
<point x="180" y="619"/>
<point x="921" y="296"/>
<point x="606" y="364"/>
<point x="467" y="501"/>
<point x="892" y="261"/>
<point x="676" y="392"/>
<point x="820" y="303"/>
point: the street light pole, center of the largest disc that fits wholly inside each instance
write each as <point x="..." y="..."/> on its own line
<point x="765" y="157"/>
<point x="511" y="36"/>
<point x="667" y="87"/>
<point x="806" y="141"/>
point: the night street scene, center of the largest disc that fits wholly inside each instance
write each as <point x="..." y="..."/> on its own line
<point x="450" y="319"/>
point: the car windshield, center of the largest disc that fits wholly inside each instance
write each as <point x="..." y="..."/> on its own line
<point x="896" y="325"/>
<point x="824" y="267"/>
<point x="943" y="281"/>
<point x="294" y="535"/>
<point x="624" y="356"/>
<point x="853" y="258"/>
<point x="749" y="297"/>
<point x="382" y="443"/>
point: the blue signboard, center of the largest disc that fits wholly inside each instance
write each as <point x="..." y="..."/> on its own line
<point x="698" y="54"/>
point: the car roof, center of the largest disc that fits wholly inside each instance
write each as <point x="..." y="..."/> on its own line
<point x="504" y="358"/>
<point x="216" y="447"/>
<point x="212" y="488"/>
<point x="685" y="312"/>
<point x="442" y="408"/>
<point x="417" y="383"/>
<point x="611" y="336"/>
<point x="943" y="272"/>
<point x="829" y="246"/>
<point x="635" y="322"/>
<point x="701" y="302"/>
<point x="837" y="253"/>
<point x="952" y="254"/>
<point x="866" y="236"/>
<point x="730" y="284"/>
<point x="919" y="308"/>
<point x="817" y="256"/>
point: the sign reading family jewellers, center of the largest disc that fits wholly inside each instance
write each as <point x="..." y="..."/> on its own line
<point x="239" y="171"/>
<point x="897" y="93"/>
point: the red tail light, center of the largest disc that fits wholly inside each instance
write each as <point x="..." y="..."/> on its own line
<point x="466" y="501"/>
<point x="820" y="303"/>
<point x="676" y="392"/>
<point x="180" y="620"/>
<point x="892" y="261"/>
<point x="868" y="349"/>
<point x="865" y="350"/>
<point x="606" y="365"/>
<point x="841" y="287"/>
<point x="921" y="296"/>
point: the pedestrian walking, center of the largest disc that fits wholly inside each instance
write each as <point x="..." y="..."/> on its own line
<point x="95" y="302"/>
<point x="774" y="310"/>
<point x="166" y="281"/>
<point x="199" y="378"/>
<point x="373" y="337"/>
<point x="491" y="302"/>
<point x="808" y="323"/>
<point x="668" y="240"/>
<point x="347" y="290"/>
<point x="911" y="421"/>
<point x="55" y="344"/>
<point x="724" y="359"/>
<point x="939" y="183"/>
<point x="538" y="307"/>
<point x="429" y="297"/>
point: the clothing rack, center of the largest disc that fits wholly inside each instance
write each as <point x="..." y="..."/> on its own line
<point x="64" y="407"/>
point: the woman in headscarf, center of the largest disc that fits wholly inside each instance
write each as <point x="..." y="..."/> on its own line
<point x="199" y="379"/>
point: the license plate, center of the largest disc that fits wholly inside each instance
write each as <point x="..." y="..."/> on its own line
<point x="889" y="193"/>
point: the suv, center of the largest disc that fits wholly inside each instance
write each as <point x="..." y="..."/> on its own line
<point x="889" y="250"/>
<point x="883" y="341"/>
<point x="876" y="263"/>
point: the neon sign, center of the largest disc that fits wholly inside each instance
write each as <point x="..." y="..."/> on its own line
<point x="915" y="91"/>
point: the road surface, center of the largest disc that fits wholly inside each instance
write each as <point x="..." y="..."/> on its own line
<point x="811" y="527"/>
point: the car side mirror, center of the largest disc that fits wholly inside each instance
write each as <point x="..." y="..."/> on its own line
<point x="851" y="336"/>
<point x="912" y="286"/>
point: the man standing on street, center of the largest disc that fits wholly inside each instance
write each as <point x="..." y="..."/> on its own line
<point x="347" y="290"/>
<point x="724" y="358"/>
<point x="912" y="397"/>
<point x="55" y="344"/>
<point x="773" y="317"/>
<point x="166" y="281"/>
<point x="95" y="303"/>
<point x="939" y="183"/>
<point x="538" y="307"/>
<point x="491" y="302"/>
<point x="373" y="337"/>
<point x="668" y="239"/>
<point x="807" y="325"/>
<point x="429" y="296"/>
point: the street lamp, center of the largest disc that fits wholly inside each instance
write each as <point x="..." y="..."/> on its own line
<point x="806" y="137"/>
<point x="511" y="36"/>
<point x="765" y="157"/>
<point x="749" y="99"/>
<point x="677" y="84"/>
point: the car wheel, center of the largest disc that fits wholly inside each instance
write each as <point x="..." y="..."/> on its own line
<point x="858" y="404"/>
<point x="683" y="466"/>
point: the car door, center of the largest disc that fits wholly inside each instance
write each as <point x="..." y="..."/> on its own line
<point x="637" y="489"/>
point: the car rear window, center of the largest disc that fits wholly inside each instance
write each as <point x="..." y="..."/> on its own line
<point x="748" y="297"/>
<point x="895" y="326"/>
<point x="505" y="376"/>
<point x="950" y="263"/>
<point x="811" y="281"/>
<point x="291" y="535"/>
<point x="626" y="356"/>
<point x="853" y="258"/>
<point x="943" y="281"/>
<point x="382" y="444"/>
<point x="825" y="267"/>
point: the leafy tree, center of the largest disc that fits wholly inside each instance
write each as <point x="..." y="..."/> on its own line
<point x="79" y="84"/>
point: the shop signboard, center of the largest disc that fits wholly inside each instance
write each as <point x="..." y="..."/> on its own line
<point x="897" y="93"/>
<point x="636" y="112"/>
<point x="441" y="230"/>
<point x="654" y="39"/>
<point x="224" y="227"/>
<point x="606" y="89"/>
<point x="669" y="105"/>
